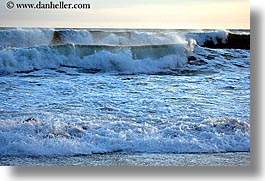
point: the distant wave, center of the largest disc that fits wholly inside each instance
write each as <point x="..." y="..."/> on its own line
<point x="222" y="39"/>
<point x="209" y="38"/>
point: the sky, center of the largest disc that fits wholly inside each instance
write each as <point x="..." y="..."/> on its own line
<point x="161" y="14"/>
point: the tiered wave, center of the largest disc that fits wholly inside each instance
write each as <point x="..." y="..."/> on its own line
<point x="26" y="50"/>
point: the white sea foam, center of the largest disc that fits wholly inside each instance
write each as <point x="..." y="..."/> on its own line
<point x="32" y="37"/>
<point x="62" y="137"/>
<point x="19" y="37"/>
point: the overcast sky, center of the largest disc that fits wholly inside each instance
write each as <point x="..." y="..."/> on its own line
<point x="133" y="14"/>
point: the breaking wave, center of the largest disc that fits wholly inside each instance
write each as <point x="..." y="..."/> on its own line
<point x="22" y="38"/>
<point x="130" y="59"/>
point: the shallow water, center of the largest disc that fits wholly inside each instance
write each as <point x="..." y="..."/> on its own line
<point x="218" y="159"/>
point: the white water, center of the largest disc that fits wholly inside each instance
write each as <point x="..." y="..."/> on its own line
<point x="85" y="136"/>
<point x="174" y="97"/>
<point x="25" y="37"/>
<point x="32" y="37"/>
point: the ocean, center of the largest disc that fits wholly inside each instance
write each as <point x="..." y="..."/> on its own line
<point x="68" y="93"/>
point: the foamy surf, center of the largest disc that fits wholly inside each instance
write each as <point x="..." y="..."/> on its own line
<point x="53" y="136"/>
<point x="81" y="91"/>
